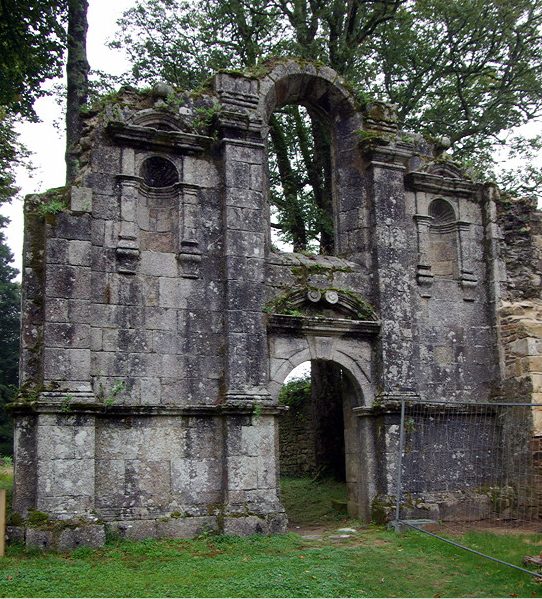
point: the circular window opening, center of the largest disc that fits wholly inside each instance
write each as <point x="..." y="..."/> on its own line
<point x="159" y="172"/>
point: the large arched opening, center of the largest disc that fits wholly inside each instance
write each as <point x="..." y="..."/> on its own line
<point x="311" y="123"/>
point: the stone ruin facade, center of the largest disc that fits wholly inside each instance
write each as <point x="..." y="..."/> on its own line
<point x="159" y="323"/>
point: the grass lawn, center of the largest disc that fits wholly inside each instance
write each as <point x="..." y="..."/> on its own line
<point x="370" y="562"/>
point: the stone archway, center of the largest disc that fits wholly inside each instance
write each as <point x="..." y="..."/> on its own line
<point x="326" y="93"/>
<point x="288" y="350"/>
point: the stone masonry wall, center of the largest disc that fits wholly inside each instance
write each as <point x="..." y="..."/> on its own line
<point x="521" y="308"/>
<point x="159" y="324"/>
<point x="296" y="436"/>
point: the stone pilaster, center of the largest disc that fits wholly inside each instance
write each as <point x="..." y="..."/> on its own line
<point x="189" y="220"/>
<point x="467" y="277"/>
<point x="66" y="337"/>
<point x="392" y="281"/>
<point x="244" y="225"/>
<point x="128" y="246"/>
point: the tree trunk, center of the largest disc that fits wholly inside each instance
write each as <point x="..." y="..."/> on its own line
<point x="290" y="207"/>
<point x="77" y="69"/>
<point x="324" y="201"/>
<point x="327" y="404"/>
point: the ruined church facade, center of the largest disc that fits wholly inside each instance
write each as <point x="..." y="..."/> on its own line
<point x="159" y="322"/>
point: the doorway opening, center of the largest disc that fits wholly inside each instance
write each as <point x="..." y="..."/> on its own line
<point x="318" y="444"/>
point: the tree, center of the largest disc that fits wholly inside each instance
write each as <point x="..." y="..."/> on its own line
<point x="32" y="39"/>
<point x="464" y="69"/>
<point x="11" y="154"/>
<point x="77" y="70"/>
<point x="468" y="69"/>
<point x="9" y="339"/>
<point x="31" y="46"/>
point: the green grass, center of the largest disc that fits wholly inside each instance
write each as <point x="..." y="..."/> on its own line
<point x="372" y="563"/>
<point x="369" y="563"/>
<point x="308" y="501"/>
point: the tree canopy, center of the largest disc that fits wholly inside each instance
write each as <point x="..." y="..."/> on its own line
<point x="468" y="70"/>
<point x="32" y="41"/>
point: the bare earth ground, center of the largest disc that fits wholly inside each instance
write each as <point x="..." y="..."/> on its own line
<point x="494" y="526"/>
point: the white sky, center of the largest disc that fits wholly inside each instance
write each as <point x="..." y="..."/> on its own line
<point x="47" y="143"/>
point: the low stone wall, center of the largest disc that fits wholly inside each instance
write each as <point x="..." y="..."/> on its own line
<point x="296" y="441"/>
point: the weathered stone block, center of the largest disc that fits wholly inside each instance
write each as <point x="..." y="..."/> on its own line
<point x="174" y="292"/>
<point x="79" y="253"/>
<point x="67" y="335"/>
<point x="81" y="199"/>
<point x="73" y="227"/>
<point x="185" y="527"/>
<point x="190" y="477"/>
<point x="136" y="530"/>
<point x="88" y="535"/>
<point x="158" y="264"/>
<point x="245" y="526"/>
<point x="66" y="364"/>
<point x="242" y="472"/>
<point x="57" y="251"/>
<point x="38" y="539"/>
<point x="68" y="281"/>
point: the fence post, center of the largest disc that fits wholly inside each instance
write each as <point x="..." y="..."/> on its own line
<point x="400" y="461"/>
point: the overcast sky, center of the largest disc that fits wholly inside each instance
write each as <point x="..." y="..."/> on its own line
<point x="46" y="142"/>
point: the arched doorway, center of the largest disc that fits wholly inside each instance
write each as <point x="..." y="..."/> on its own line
<point x="312" y="432"/>
<point x="332" y="438"/>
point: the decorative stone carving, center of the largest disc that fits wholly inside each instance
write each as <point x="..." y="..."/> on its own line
<point x="314" y="295"/>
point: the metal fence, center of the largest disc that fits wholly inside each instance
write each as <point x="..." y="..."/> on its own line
<point x="475" y="469"/>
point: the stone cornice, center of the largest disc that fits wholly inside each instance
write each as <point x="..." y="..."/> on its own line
<point x="325" y="327"/>
<point x="99" y="409"/>
<point x="149" y="138"/>
<point x="437" y="184"/>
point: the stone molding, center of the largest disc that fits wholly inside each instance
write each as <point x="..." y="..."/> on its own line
<point x="149" y="138"/>
<point x="437" y="184"/>
<point x="327" y="327"/>
<point x="44" y="406"/>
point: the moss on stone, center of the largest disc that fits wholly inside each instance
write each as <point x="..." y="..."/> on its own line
<point x="37" y="519"/>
